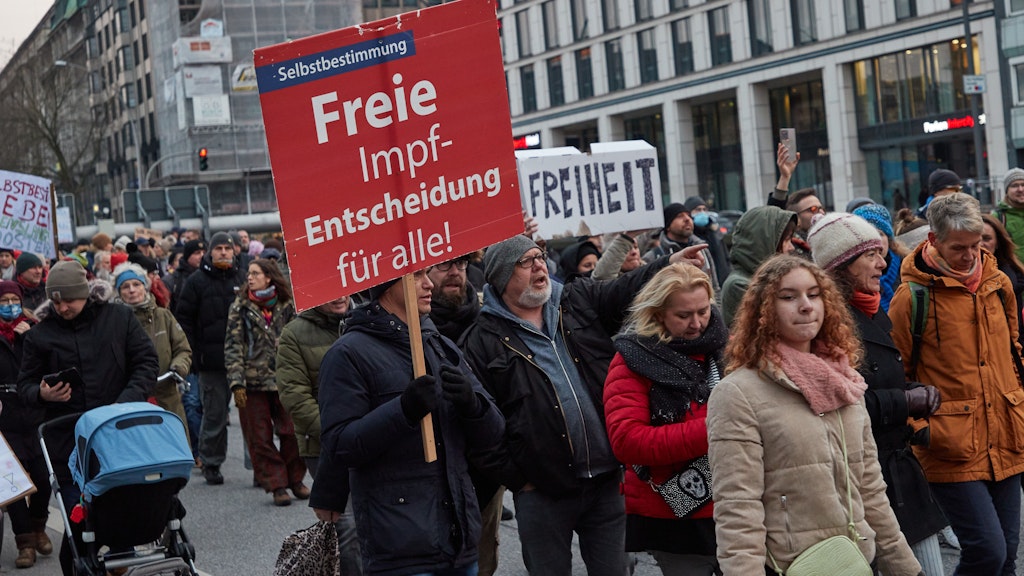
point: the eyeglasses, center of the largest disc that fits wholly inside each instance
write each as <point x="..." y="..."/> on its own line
<point x="254" y="274"/>
<point x="813" y="210"/>
<point x="528" y="261"/>
<point x="446" y="266"/>
<point x="5" y="301"/>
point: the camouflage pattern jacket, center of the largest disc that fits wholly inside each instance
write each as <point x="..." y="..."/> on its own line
<point x="250" y="343"/>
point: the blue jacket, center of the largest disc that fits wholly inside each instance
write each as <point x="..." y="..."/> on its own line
<point x="413" y="516"/>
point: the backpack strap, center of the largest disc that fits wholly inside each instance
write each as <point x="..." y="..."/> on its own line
<point x="918" y="320"/>
<point x="1013" y="348"/>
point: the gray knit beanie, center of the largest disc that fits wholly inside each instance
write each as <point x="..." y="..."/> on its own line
<point x="67" y="281"/>
<point x="500" y="260"/>
<point x="838" y="237"/>
<point x="1012" y="175"/>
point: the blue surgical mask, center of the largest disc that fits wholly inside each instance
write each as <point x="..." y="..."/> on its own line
<point x="701" y="219"/>
<point x="10" y="311"/>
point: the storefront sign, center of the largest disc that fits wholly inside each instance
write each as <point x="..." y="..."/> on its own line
<point x="616" y="187"/>
<point x="25" y="217"/>
<point x="389" y="143"/>
<point x="952" y="124"/>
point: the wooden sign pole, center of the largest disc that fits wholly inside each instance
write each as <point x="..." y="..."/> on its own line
<point x="419" y="367"/>
<point x="53" y="221"/>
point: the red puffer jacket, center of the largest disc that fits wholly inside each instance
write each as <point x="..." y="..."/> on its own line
<point x="664" y="449"/>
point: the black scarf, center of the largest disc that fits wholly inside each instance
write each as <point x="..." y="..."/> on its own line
<point x="677" y="379"/>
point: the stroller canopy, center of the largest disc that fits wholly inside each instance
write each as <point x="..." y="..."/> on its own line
<point x="129" y="443"/>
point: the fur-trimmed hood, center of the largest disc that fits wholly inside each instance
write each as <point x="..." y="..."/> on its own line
<point x="99" y="291"/>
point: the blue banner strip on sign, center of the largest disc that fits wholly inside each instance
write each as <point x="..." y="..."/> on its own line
<point x="335" y="61"/>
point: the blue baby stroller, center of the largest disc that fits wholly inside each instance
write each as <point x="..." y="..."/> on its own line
<point x="129" y="461"/>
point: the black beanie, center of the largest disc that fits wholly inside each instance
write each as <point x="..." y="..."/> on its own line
<point x="25" y="261"/>
<point x="377" y="291"/>
<point x="671" y="211"/>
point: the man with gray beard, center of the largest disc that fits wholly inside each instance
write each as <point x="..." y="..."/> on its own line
<point x="538" y="346"/>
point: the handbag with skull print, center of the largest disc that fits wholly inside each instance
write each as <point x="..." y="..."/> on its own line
<point x="687" y="490"/>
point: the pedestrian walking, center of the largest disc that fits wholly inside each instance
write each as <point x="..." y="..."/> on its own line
<point x="967" y="349"/>
<point x="668" y="358"/>
<point x="850" y="248"/>
<point x="793" y="461"/>
<point x="254" y="326"/>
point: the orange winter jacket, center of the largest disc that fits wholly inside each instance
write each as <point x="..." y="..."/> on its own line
<point x="978" y="432"/>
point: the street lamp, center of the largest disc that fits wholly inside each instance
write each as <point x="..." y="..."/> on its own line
<point x="131" y="119"/>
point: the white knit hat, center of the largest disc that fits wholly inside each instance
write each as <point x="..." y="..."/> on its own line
<point x="838" y="237"/>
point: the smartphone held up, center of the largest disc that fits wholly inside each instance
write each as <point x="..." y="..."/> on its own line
<point x="787" y="136"/>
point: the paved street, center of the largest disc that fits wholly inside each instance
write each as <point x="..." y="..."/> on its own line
<point x="238" y="531"/>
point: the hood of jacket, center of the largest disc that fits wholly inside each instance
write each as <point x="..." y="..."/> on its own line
<point x="756" y="236"/>
<point x="323" y="320"/>
<point x="374" y="320"/>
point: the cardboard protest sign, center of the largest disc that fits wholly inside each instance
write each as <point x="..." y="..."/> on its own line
<point x="616" y="187"/>
<point x="391" y="148"/>
<point x="26" y="213"/>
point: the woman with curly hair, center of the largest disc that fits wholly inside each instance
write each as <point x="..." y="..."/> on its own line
<point x="255" y="321"/>
<point x="789" y="438"/>
<point x="668" y="359"/>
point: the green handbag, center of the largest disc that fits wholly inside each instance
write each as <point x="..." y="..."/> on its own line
<point x="835" y="556"/>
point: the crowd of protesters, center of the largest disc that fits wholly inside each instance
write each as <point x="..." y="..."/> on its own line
<point x="721" y="405"/>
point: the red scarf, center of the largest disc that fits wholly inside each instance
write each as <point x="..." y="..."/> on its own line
<point x="7" y="328"/>
<point x="866" y="303"/>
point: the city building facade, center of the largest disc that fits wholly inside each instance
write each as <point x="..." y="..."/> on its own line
<point x="874" y="88"/>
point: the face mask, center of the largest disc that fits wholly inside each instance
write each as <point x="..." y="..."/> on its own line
<point x="10" y="311"/>
<point x="701" y="219"/>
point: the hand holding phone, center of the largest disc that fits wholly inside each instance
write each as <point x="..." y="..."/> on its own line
<point x="57" y="387"/>
<point x="787" y="136"/>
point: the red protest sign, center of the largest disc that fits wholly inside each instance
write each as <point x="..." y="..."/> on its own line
<point x="390" y="144"/>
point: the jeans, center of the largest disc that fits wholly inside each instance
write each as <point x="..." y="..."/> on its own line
<point x="193" y="412"/>
<point x="348" y="541"/>
<point x="596" y="512"/>
<point x="985" y="516"/>
<point x="213" y="435"/>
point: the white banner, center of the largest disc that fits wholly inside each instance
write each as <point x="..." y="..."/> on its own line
<point x="203" y="81"/>
<point x="193" y="50"/>
<point x="26" y="213"/>
<point x="211" y="110"/>
<point x="65" y="235"/>
<point x="616" y="187"/>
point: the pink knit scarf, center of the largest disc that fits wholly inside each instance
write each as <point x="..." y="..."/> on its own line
<point x="826" y="384"/>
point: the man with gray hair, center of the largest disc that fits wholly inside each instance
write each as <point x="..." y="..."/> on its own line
<point x="955" y="319"/>
<point x="538" y="346"/>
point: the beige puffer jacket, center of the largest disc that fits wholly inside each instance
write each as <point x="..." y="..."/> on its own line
<point x="779" y="477"/>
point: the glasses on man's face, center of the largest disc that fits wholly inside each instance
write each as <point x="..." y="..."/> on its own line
<point x="446" y="266"/>
<point x="813" y="210"/>
<point x="528" y="261"/>
<point x="6" y="301"/>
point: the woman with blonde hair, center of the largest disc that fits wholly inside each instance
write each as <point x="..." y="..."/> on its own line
<point x="655" y="398"/>
<point x="792" y="455"/>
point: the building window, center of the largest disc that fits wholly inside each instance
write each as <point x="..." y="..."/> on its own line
<point x="719" y="158"/>
<point x="1018" y="82"/>
<point x="584" y="74"/>
<point x="550" y="25"/>
<point x="803" y="22"/>
<point x="802" y="106"/>
<point x="556" y="90"/>
<point x="682" y="47"/>
<point x="651" y="129"/>
<point x="721" y="40"/>
<point x="906" y="9"/>
<point x="610" y="10"/>
<point x="678" y="4"/>
<point x="854" y="13"/>
<point x="648" y="55"/>
<point x="579" y="19"/>
<point x="523" y="33"/>
<point x="644" y="9"/>
<point x="145" y="45"/>
<point x="760" y="27"/>
<point x="529" y="87"/>
<point x="613" y="59"/>
<point x="1016" y="5"/>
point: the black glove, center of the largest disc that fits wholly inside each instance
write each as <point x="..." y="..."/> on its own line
<point x="458" y="390"/>
<point x="419" y="398"/>
<point x="922" y="401"/>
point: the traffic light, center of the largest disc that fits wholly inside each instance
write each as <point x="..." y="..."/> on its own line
<point x="203" y="160"/>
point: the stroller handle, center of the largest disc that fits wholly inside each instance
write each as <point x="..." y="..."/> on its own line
<point x="172" y="375"/>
